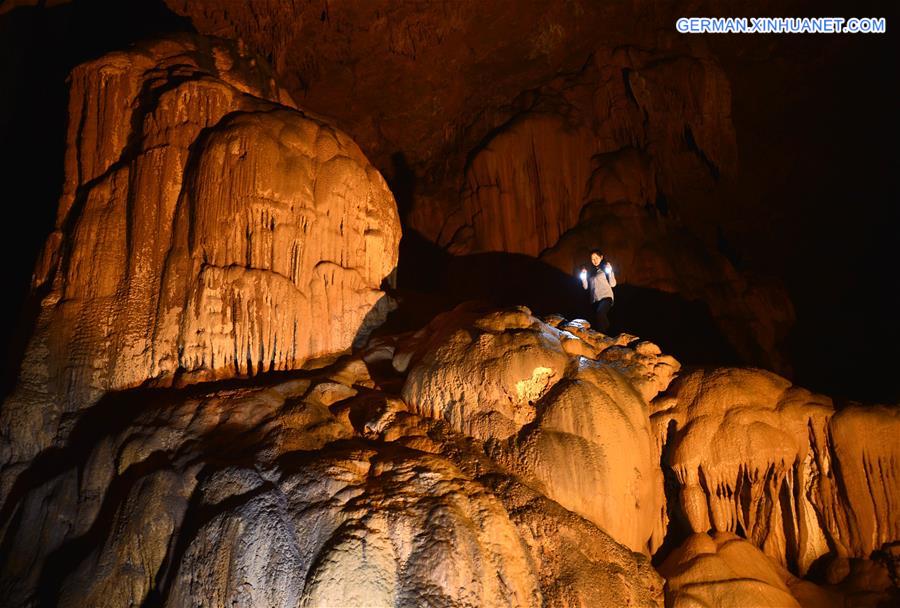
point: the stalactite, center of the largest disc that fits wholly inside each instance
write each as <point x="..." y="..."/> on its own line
<point x="775" y="483"/>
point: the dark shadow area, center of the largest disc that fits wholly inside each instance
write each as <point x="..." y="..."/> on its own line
<point x="698" y="151"/>
<point x="724" y="246"/>
<point x="38" y="48"/>
<point x="430" y="281"/>
<point x="845" y="340"/>
<point x="786" y="501"/>
<point x="402" y="184"/>
<point x="816" y="200"/>
<point x="842" y="269"/>
<point x="679" y="528"/>
<point x="683" y="328"/>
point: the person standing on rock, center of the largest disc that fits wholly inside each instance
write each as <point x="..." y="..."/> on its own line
<point x="599" y="281"/>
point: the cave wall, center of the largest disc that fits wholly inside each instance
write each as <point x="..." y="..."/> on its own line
<point x="775" y="201"/>
<point x="813" y="210"/>
<point x="491" y="458"/>
<point x="510" y="162"/>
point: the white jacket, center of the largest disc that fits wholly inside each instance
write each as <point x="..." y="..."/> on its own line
<point x="600" y="282"/>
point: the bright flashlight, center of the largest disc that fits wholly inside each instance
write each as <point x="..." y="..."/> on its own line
<point x="583" y="274"/>
<point x="607" y="268"/>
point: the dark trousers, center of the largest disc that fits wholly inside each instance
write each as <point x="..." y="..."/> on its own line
<point x="601" y="310"/>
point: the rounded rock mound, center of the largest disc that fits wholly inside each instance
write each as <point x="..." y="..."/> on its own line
<point x="562" y="406"/>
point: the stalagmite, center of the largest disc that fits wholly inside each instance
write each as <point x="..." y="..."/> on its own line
<point x="207" y="229"/>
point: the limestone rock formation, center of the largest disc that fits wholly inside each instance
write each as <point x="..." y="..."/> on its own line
<point x="757" y="456"/>
<point x="207" y="229"/>
<point x="590" y="164"/>
<point x="202" y="419"/>
<point x="528" y="183"/>
<point x="568" y="424"/>
<point x="314" y="490"/>
<point x="327" y="488"/>
<point x="356" y="527"/>
<point x="236" y="497"/>
<point x="725" y="570"/>
<point x="482" y="374"/>
<point x="592" y="161"/>
<point x="592" y="433"/>
<point x="577" y="563"/>
<point x="621" y="138"/>
<point x="211" y="233"/>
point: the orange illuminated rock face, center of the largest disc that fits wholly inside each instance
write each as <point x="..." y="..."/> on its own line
<point x="754" y="454"/>
<point x="573" y="133"/>
<point x="558" y="407"/>
<point x="316" y="489"/>
<point x="525" y="186"/>
<point x="207" y="229"/>
<point x="728" y="571"/>
<point x="365" y="482"/>
<point x="210" y="233"/>
<point x="723" y="569"/>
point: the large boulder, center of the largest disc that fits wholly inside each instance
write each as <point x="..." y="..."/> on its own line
<point x="356" y="527"/>
<point x="207" y="229"/>
<point x="590" y="449"/>
<point x="566" y="410"/>
<point x="482" y="373"/>
<point x="724" y="570"/>
<point x="577" y="563"/>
